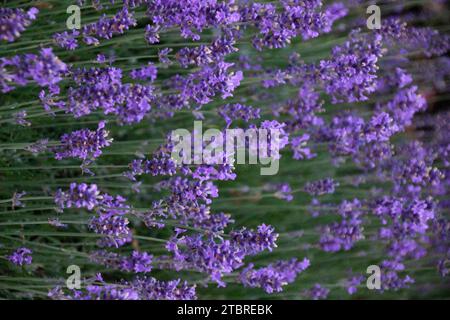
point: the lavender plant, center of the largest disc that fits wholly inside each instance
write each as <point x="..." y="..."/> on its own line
<point x="88" y="177"/>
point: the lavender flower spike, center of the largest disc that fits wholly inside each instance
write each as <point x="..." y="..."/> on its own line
<point x="14" y="21"/>
<point x="21" y="256"/>
<point x="83" y="144"/>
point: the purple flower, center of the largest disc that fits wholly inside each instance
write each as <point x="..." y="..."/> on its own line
<point x="343" y="234"/>
<point x="161" y="163"/>
<point x="163" y="56"/>
<point x="353" y="283"/>
<point x="137" y="262"/>
<point x="380" y="128"/>
<point x="48" y="99"/>
<point x="390" y="277"/>
<point x="282" y="190"/>
<point x="191" y="18"/>
<point x="14" y="21"/>
<point x="37" y="147"/>
<point x="110" y="222"/>
<point x="106" y="28"/>
<point x="113" y="228"/>
<point x="103" y="291"/>
<point x="211" y="172"/>
<point x="203" y="85"/>
<point x="151" y="34"/>
<point x="404" y="105"/>
<point x="16" y="203"/>
<point x="152" y="289"/>
<point x="206" y="54"/>
<point x="83" y="144"/>
<point x="21" y="256"/>
<point x="215" y="223"/>
<point x="273" y="277"/>
<point x="230" y="112"/>
<point x="20" y="118"/>
<point x="103" y="88"/>
<point x="56" y="223"/>
<point x="321" y="187"/>
<point x="100" y="58"/>
<point x="277" y="28"/>
<point x="148" y="72"/>
<point x="254" y="242"/>
<point x="351" y="74"/>
<point x="270" y="141"/>
<point x="67" y="40"/>
<point x="334" y="12"/>
<point x="184" y="191"/>
<point x="399" y="79"/>
<point x="414" y="169"/>
<point x="301" y="151"/>
<point x="302" y="110"/>
<point x="405" y="215"/>
<point x="344" y="134"/>
<point x="443" y="268"/>
<point x="215" y="258"/>
<point x="45" y="69"/>
<point x="317" y="292"/>
<point x="411" y="39"/>
<point x="78" y="196"/>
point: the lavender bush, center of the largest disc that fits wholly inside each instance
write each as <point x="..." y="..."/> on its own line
<point x="87" y="176"/>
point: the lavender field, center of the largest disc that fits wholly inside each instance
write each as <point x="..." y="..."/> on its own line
<point x="119" y="179"/>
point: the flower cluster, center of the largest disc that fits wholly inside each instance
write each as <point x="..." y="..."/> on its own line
<point x="83" y="144"/>
<point x="218" y="256"/>
<point x="351" y="108"/>
<point x="273" y="277"/>
<point x="21" y="256"/>
<point x="45" y="69"/>
<point x="103" y="88"/>
<point x="321" y="187"/>
<point x="104" y="28"/>
<point x="14" y="22"/>
<point x="138" y="262"/>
